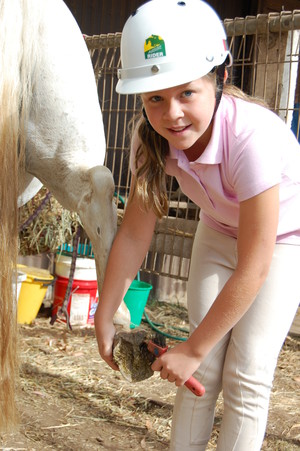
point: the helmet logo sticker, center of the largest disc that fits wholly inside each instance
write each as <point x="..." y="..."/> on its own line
<point x="154" y="47"/>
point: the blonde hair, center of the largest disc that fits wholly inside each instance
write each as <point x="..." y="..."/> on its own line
<point x="150" y="159"/>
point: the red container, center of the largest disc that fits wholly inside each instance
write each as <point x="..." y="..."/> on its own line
<point x="83" y="300"/>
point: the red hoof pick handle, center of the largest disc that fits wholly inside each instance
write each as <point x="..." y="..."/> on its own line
<point x="192" y="383"/>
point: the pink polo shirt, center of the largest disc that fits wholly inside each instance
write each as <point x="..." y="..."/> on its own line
<point x="251" y="150"/>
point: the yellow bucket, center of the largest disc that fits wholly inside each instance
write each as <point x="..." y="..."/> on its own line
<point x="32" y="292"/>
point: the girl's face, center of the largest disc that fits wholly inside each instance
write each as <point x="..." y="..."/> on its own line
<point x="183" y="114"/>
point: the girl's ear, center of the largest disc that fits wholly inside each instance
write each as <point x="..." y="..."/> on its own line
<point x="225" y="75"/>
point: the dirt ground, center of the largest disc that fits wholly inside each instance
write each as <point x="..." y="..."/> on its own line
<point x="69" y="399"/>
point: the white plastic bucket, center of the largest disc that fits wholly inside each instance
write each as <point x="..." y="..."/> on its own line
<point x="21" y="277"/>
<point x="85" y="268"/>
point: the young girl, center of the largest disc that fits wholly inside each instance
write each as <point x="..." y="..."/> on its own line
<point x="241" y="164"/>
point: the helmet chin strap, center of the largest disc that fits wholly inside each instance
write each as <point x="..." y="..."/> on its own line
<point x="220" y="77"/>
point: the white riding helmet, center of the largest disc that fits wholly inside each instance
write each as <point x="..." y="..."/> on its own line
<point x="167" y="43"/>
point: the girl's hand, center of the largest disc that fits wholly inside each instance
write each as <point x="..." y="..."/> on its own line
<point x="178" y="364"/>
<point x="105" y="332"/>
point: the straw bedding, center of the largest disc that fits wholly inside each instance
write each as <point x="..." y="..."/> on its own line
<point x="70" y="399"/>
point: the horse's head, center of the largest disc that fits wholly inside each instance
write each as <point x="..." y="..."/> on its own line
<point x="98" y="213"/>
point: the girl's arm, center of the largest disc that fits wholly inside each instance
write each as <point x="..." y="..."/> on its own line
<point x="256" y="239"/>
<point x="126" y="256"/>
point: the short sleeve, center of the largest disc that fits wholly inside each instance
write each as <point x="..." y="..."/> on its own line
<point x="258" y="164"/>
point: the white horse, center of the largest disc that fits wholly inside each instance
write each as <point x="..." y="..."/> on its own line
<point x="51" y="133"/>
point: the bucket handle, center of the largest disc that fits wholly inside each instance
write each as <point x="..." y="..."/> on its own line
<point x="45" y="282"/>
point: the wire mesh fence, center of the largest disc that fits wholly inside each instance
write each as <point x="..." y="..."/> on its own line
<point x="265" y="50"/>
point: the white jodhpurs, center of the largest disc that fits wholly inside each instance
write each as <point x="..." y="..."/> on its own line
<point x="243" y="363"/>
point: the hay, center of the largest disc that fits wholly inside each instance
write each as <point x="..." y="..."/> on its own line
<point x="66" y="367"/>
<point x="70" y="399"/>
<point x="53" y="226"/>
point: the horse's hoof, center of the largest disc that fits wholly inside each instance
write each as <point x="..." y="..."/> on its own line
<point x="132" y="356"/>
